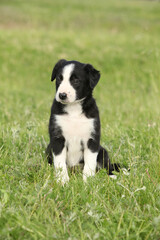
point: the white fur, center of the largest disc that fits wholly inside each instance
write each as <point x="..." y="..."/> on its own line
<point x="61" y="168"/>
<point x="65" y="86"/>
<point x="90" y="163"/>
<point x="76" y="128"/>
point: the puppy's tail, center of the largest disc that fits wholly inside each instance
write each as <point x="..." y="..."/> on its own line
<point x="104" y="161"/>
<point x="114" y="167"/>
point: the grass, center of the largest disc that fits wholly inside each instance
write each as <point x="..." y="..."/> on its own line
<point x="121" y="39"/>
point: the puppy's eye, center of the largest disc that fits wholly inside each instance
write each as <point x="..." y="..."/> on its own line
<point x="60" y="78"/>
<point x="74" y="79"/>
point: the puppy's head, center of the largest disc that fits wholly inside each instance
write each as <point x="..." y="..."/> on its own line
<point x="74" y="80"/>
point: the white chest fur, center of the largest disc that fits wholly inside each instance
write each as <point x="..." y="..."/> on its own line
<point x="76" y="129"/>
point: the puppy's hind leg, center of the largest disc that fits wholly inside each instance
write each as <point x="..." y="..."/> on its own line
<point x="49" y="154"/>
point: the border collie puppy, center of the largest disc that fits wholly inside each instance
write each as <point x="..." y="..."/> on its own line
<point x="74" y="125"/>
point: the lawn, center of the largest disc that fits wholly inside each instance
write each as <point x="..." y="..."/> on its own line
<point x="122" y="40"/>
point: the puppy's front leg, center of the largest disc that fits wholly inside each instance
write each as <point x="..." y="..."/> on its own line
<point x="90" y="163"/>
<point x="60" y="166"/>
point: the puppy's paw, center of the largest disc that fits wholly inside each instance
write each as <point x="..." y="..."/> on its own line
<point x="84" y="178"/>
<point x="62" y="178"/>
<point x="88" y="173"/>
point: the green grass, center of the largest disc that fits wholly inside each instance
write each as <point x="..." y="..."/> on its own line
<point x="122" y="40"/>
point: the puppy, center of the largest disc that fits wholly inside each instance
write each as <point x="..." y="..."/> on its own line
<point x="74" y="126"/>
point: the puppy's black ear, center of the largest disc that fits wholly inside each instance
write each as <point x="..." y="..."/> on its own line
<point x="58" y="65"/>
<point x="94" y="75"/>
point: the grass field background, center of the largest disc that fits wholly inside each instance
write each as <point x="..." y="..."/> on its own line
<point x="122" y="40"/>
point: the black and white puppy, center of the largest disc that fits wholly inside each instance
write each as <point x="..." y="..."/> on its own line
<point x="74" y="125"/>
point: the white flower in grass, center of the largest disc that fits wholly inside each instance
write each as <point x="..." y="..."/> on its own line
<point x="15" y="131"/>
<point x="71" y="218"/>
<point x="113" y="177"/>
<point x="125" y="172"/>
<point x="94" y="215"/>
<point x="96" y="236"/>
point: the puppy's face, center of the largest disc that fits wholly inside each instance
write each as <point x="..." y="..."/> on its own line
<point x="74" y="80"/>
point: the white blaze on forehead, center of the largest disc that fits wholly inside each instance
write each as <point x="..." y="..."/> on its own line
<point x="67" y="71"/>
<point x="65" y="86"/>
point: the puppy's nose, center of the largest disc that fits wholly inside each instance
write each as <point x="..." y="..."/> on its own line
<point x="63" y="96"/>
